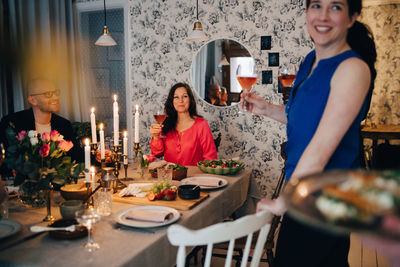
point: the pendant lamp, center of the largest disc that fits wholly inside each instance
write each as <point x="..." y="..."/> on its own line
<point x="105" y="39"/>
<point x="223" y="62"/>
<point x="197" y="35"/>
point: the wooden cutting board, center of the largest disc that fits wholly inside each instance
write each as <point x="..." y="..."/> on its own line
<point x="179" y="204"/>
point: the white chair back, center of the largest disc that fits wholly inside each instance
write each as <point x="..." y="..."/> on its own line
<point x="223" y="232"/>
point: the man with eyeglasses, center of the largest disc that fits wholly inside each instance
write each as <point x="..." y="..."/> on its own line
<point x="44" y="98"/>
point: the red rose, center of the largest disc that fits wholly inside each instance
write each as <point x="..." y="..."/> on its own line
<point x="44" y="150"/>
<point x="45" y="137"/>
<point x="54" y="135"/>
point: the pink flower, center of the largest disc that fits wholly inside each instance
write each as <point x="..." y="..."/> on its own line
<point x="45" y="137"/>
<point x="65" y="145"/>
<point x="149" y="158"/>
<point x="44" y="150"/>
<point x="21" y="135"/>
<point x="54" y="135"/>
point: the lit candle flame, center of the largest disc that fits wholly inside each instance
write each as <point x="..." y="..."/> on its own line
<point x="115" y="98"/>
<point x="125" y="134"/>
<point x="92" y="110"/>
<point x="87" y="142"/>
<point x="137" y="107"/>
<point x="92" y="170"/>
<point x="101" y="127"/>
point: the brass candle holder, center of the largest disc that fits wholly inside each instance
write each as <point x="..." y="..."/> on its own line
<point x="116" y="157"/>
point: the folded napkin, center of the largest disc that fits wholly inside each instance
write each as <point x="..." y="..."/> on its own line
<point x="149" y="216"/>
<point x="157" y="164"/>
<point x="135" y="190"/>
<point x="206" y="183"/>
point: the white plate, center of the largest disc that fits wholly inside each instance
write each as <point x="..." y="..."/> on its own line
<point x="121" y="216"/>
<point x="195" y="180"/>
<point x="8" y="228"/>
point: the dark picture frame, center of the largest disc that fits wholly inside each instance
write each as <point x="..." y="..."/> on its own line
<point x="266" y="77"/>
<point x="273" y="59"/>
<point x="265" y="43"/>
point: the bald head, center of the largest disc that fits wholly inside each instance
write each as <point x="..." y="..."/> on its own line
<point x="39" y="86"/>
<point x="43" y="95"/>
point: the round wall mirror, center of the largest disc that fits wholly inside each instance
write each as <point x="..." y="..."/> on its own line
<point x="213" y="72"/>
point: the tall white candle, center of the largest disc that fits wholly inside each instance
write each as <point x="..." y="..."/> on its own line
<point x="93" y="126"/>
<point x="87" y="160"/>
<point x="93" y="177"/>
<point x="102" y="148"/>
<point x="125" y="148"/>
<point x="116" y="121"/>
<point x="137" y="124"/>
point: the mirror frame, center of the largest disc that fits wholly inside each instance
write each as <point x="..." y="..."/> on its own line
<point x="235" y="96"/>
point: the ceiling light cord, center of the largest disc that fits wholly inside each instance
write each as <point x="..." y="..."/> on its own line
<point x="105" y="14"/>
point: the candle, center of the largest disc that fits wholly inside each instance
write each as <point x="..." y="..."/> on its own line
<point x="93" y="126"/>
<point x="125" y="152"/>
<point x="92" y="174"/>
<point x="87" y="159"/>
<point x="102" y="149"/>
<point x="116" y="121"/>
<point x="137" y="124"/>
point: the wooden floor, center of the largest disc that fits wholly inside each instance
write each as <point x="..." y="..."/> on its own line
<point x="359" y="256"/>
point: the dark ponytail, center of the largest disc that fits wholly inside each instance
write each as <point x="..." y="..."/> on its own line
<point x="361" y="40"/>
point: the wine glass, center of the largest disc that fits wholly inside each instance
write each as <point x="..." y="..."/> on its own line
<point x="247" y="77"/>
<point x="88" y="218"/>
<point x="160" y="116"/>
<point x="286" y="76"/>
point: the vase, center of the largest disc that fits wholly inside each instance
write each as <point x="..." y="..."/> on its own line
<point x="144" y="172"/>
<point x="49" y="217"/>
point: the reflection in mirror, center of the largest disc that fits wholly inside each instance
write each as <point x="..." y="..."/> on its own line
<point x="214" y="71"/>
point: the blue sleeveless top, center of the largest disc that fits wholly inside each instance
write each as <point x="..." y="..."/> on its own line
<point x="304" y="111"/>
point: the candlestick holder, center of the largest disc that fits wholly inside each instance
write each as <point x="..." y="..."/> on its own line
<point x="88" y="202"/>
<point x="126" y="178"/>
<point x="93" y="152"/>
<point x="137" y="148"/>
<point x="116" y="157"/>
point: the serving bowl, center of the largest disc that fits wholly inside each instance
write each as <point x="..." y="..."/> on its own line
<point x="74" y="191"/>
<point x="221" y="166"/>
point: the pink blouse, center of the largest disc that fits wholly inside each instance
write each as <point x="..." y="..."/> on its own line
<point x="187" y="147"/>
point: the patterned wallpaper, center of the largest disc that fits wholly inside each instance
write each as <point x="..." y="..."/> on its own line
<point x="160" y="56"/>
<point x="384" y="21"/>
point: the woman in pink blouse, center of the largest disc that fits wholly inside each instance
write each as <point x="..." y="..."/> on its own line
<point x="188" y="138"/>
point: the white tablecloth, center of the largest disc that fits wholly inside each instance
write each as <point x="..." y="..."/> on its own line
<point x="121" y="246"/>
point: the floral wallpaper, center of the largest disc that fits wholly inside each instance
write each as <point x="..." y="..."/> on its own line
<point x="160" y="56"/>
<point x="384" y="21"/>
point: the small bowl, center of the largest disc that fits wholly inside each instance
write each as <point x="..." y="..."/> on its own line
<point x="69" y="207"/>
<point x="188" y="191"/>
<point x="179" y="174"/>
<point x="74" y="192"/>
<point x="80" y="230"/>
<point x="153" y="173"/>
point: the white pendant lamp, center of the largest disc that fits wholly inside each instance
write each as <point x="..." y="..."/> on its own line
<point x="197" y="35"/>
<point x="223" y="62"/>
<point x="105" y="39"/>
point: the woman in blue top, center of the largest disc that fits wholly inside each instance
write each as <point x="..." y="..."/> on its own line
<point x="329" y="99"/>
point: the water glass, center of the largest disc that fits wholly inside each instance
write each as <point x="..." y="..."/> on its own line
<point x="164" y="174"/>
<point x="103" y="201"/>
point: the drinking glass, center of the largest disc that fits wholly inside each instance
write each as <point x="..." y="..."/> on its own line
<point x="160" y="116"/>
<point x="88" y="218"/>
<point x="164" y="173"/>
<point x="247" y="77"/>
<point x="103" y="201"/>
<point x="286" y="76"/>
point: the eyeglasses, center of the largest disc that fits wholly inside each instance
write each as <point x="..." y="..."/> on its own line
<point x="49" y="94"/>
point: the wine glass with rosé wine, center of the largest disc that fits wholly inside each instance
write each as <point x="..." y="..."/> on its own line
<point x="160" y="116"/>
<point x="247" y="77"/>
<point x="287" y="75"/>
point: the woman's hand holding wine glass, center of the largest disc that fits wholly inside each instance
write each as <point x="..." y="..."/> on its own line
<point x="156" y="129"/>
<point x="247" y="77"/>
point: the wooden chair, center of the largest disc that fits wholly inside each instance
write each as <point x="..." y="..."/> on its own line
<point x="223" y="232"/>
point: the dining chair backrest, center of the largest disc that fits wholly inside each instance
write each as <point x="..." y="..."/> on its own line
<point x="223" y="232"/>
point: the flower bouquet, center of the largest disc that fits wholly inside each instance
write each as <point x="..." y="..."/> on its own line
<point x="40" y="163"/>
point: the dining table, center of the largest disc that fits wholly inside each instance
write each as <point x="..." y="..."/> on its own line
<point x="120" y="245"/>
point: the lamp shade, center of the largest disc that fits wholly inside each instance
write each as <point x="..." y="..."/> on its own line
<point x="105" y="39"/>
<point x="197" y="34"/>
<point x="223" y="62"/>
